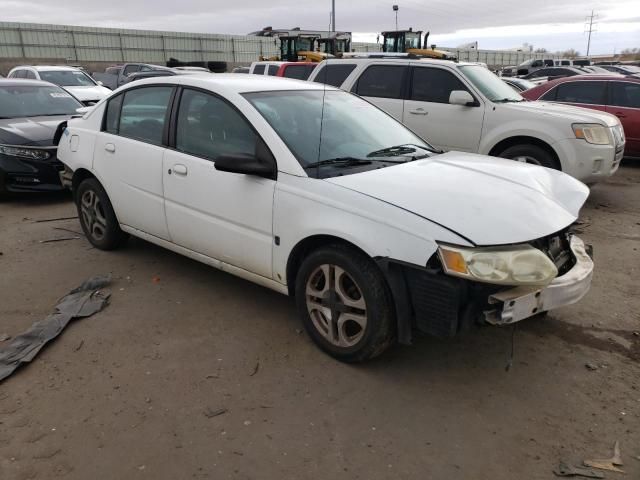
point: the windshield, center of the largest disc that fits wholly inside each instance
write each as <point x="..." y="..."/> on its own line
<point x="34" y="101"/>
<point x="490" y="84"/>
<point x="630" y="68"/>
<point x="345" y="127"/>
<point x="67" y="78"/>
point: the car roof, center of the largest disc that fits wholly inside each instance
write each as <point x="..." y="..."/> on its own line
<point x="45" y="68"/>
<point x="233" y="83"/>
<point x="584" y="78"/>
<point x="14" y="82"/>
<point x="431" y="61"/>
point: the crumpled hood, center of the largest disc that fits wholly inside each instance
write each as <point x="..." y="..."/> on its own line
<point x="88" y="93"/>
<point x="570" y="113"/>
<point x="487" y="200"/>
<point x="30" y="131"/>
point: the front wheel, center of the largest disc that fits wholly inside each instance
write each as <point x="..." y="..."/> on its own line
<point x="532" y="154"/>
<point x="97" y="218"/>
<point x="345" y="304"/>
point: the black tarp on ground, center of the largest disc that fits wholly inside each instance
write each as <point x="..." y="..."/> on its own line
<point x="80" y="302"/>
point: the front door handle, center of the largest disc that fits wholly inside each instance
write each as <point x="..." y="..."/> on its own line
<point x="179" y="169"/>
<point x="419" y="111"/>
<point x="110" y="147"/>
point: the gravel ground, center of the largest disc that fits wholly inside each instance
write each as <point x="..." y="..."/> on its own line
<point x="193" y="373"/>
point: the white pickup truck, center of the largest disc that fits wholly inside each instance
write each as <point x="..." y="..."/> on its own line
<point x="465" y="107"/>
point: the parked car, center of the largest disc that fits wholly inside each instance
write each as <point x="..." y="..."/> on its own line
<point x="530" y="66"/>
<point x="188" y="68"/>
<point x="623" y="69"/>
<point x="241" y="179"/>
<point x="30" y="112"/>
<point x="117" y="75"/>
<point x="519" y="84"/>
<point x="614" y="94"/>
<point x="463" y="106"/>
<point x="593" y="69"/>
<point x="265" y="68"/>
<point x="149" y="74"/>
<point x="72" y="79"/>
<point x="510" y="71"/>
<point x="241" y="70"/>
<point x="554" y="72"/>
<point x="296" y="70"/>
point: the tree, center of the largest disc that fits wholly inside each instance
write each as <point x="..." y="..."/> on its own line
<point x="630" y="51"/>
<point x="540" y="50"/>
<point x="571" y="53"/>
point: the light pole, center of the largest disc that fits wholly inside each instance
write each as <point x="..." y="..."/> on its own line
<point x="333" y="15"/>
<point x="395" y="9"/>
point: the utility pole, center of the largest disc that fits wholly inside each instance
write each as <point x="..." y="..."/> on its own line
<point x="333" y="15"/>
<point x="590" y="19"/>
<point x="395" y="9"/>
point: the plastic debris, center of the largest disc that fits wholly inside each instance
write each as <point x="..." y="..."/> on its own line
<point x="80" y="302"/>
<point x="4" y="337"/>
<point x="209" y="413"/>
<point x="591" y="366"/>
<point x="566" y="470"/>
<point x="611" y="464"/>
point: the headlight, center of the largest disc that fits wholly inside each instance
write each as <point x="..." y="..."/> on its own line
<point x="32" y="153"/>
<point x="592" y="133"/>
<point x="510" y="265"/>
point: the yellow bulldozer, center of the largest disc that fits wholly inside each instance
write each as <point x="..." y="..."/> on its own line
<point x="408" y="41"/>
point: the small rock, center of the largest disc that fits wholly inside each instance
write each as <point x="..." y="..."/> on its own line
<point x="247" y="422"/>
<point x="590" y="366"/>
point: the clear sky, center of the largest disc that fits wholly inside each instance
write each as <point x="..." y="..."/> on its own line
<point x="552" y="24"/>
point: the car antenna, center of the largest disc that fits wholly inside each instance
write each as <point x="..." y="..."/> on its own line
<point x="324" y="93"/>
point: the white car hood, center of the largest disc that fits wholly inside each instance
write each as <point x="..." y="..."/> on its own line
<point x="565" y="112"/>
<point x="486" y="200"/>
<point x="88" y="93"/>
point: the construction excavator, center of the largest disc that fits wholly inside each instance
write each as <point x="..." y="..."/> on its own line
<point x="300" y="47"/>
<point x="307" y="45"/>
<point x="408" y="41"/>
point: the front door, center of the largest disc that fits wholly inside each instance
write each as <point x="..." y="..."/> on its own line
<point x="226" y="216"/>
<point x="128" y="157"/>
<point x="427" y="111"/>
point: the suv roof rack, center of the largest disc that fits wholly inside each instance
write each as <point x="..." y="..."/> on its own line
<point x="390" y="55"/>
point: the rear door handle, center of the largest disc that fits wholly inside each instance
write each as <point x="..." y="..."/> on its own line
<point x="179" y="169"/>
<point x="110" y="147"/>
<point x="419" y="111"/>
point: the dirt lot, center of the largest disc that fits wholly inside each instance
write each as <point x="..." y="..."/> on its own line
<point x="132" y="392"/>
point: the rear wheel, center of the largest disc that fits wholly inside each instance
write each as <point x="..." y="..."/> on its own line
<point x="533" y="154"/>
<point x="97" y="218"/>
<point x="345" y="304"/>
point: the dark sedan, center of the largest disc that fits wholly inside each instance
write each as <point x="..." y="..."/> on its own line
<point x="30" y="112"/>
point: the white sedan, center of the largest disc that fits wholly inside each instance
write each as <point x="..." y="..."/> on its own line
<point x="316" y="193"/>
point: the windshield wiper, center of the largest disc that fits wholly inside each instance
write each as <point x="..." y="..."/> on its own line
<point x="506" y="100"/>
<point x="339" y="161"/>
<point x="398" y="150"/>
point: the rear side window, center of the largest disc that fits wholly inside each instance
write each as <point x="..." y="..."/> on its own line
<point x="625" y="94"/>
<point x="112" y="115"/>
<point x="299" y="72"/>
<point x="384" y="81"/>
<point x="434" y="85"/>
<point x="18" y="74"/>
<point x="581" y="92"/>
<point x="273" y="69"/>
<point x="334" y="75"/>
<point x="29" y="74"/>
<point x="143" y="113"/>
<point x="258" y="70"/>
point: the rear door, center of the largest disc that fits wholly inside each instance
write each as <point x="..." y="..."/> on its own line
<point x="384" y="86"/>
<point x="624" y="103"/>
<point x="226" y="216"/>
<point x="427" y="110"/>
<point x="128" y="156"/>
<point x="587" y="94"/>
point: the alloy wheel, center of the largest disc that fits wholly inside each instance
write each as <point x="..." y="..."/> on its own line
<point x="527" y="159"/>
<point x="93" y="215"/>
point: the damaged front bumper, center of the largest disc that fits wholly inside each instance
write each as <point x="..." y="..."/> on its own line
<point x="519" y="303"/>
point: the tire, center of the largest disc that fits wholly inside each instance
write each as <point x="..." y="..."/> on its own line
<point x="97" y="218"/>
<point x="532" y="154"/>
<point x="362" y="294"/>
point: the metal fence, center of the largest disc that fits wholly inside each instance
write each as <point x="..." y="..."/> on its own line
<point x="92" y="44"/>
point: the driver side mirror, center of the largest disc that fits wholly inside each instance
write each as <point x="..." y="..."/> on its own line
<point x="262" y="164"/>
<point x="100" y="83"/>
<point x="462" y="97"/>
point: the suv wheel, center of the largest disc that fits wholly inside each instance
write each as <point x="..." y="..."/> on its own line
<point x="532" y="154"/>
<point x="97" y="218"/>
<point x="345" y="304"/>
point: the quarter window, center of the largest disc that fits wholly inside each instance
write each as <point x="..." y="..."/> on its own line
<point x="113" y="115"/>
<point x="434" y="85"/>
<point x="144" y="112"/>
<point x="382" y="81"/>
<point x="334" y="75"/>
<point x="625" y="94"/>
<point x="581" y="92"/>
<point x="209" y="127"/>
<point x="258" y="70"/>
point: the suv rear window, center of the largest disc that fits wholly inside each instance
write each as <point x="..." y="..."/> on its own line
<point x="335" y="74"/>
<point x="384" y="81"/>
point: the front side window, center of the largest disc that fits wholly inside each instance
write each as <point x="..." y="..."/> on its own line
<point x="389" y="44"/>
<point x="144" y="112"/>
<point x="258" y="70"/>
<point x="581" y="92"/>
<point x="35" y="101"/>
<point x="384" y="81"/>
<point x="67" y="78"/>
<point x="490" y="84"/>
<point x="209" y="127"/>
<point x="331" y="125"/>
<point x="434" y="85"/>
<point x="334" y="74"/>
<point x="625" y="94"/>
